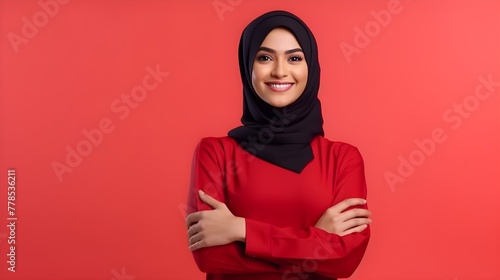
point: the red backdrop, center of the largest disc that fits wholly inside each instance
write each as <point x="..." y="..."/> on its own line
<point x="103" y="102"/>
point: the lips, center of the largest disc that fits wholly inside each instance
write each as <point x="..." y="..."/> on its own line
<point x="279" y="86"/>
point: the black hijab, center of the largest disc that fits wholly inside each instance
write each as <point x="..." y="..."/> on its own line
<point x="281" y="136"/>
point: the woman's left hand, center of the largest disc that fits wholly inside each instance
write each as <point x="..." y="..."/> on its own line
<point x="213" y="227"/>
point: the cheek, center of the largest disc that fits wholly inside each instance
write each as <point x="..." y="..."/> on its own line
<point x="256" y="74"/>
<point x="255" y="80"/>
<point x="259" y="73"/>
<point x="304" y="74"/>
<point x="301" y="77"/>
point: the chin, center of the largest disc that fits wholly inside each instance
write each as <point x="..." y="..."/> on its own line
<point x="279" y="103"/>
<point x="278" y="99"/>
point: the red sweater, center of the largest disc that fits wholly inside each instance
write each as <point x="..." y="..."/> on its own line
<point x="280" y="208"/>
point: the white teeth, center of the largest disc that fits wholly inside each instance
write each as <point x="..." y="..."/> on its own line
<point x="280" y="85"/>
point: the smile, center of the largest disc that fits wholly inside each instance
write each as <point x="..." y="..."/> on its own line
<point x="279" y="87"/>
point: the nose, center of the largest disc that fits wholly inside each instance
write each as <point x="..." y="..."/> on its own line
<point x="280" y="69"/>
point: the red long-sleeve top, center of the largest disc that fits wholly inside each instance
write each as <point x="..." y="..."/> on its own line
<point x="280" y="208"/>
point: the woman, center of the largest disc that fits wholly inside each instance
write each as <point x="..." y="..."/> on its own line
<point x="275" y="199"/>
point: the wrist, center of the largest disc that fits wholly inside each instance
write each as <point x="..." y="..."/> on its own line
<point x="239" y="229"/>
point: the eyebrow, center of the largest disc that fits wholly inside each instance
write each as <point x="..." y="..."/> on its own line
<point x="286" y="52"/>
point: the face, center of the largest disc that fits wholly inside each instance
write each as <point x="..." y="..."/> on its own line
<point x="279" y="73"/>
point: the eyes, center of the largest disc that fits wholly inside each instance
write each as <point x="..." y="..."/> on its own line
<point x="292" y="58"/>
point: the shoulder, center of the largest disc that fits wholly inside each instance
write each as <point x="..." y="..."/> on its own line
<point x="215" y="144"/>
<point x="212" y="151"/>
<point x="217" y="141"/>
<point x="341" y="151"/>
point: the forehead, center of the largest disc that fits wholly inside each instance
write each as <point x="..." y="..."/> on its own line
<point x="280" y="39"/>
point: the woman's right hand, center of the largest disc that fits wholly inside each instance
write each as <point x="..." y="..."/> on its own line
<point x="335" y="220"/>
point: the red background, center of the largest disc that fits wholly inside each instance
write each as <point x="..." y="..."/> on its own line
<point x="118" y="213"/>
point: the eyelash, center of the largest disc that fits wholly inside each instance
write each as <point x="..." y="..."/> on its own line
<point x="298" y="58"/>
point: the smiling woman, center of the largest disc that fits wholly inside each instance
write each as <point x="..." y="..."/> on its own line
<point x="275" y="199"/>
<point x="279" y="75"/>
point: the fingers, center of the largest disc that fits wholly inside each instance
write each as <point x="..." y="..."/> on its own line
<point x="195" y="238"/>
<point x="194" y="229"/>
<point x="195" y="235"/>
<point x="196" y="246"/>
<point x="354" y="213"/>
<point x="353" y="223"/>
<point x="196" y="242"/>
<point x="193" y="218"/>
<point x="355" y="229"/>
<point x="343" y="205"/>
<point x="214" y="203"/>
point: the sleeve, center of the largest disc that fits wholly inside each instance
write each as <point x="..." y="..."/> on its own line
<point x="313" y="250"/>
<point x="207" y="175"/>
